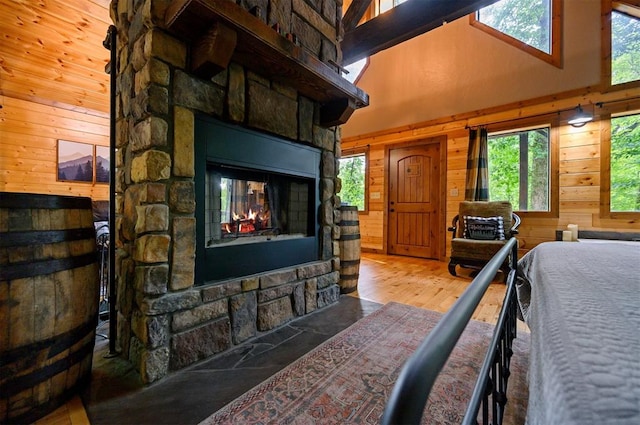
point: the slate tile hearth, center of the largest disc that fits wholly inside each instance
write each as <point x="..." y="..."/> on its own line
<point x="115" y="395"/>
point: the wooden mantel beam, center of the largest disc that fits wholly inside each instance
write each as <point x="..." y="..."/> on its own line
<point x="220" y="31"/>
<point x="403" y="22"/>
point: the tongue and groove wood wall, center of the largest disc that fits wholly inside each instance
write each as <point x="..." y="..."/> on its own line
<point x="53" y="86"/>
<point x="578" y="164"/>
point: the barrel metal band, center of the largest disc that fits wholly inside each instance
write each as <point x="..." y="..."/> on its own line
<point x="349" y="237"/>
<point x="56" y="344"/>
<point x="27" y="201"/>
<point x="37" y="237"/>
<point x="36" y="268"/>
<point x="21" y="383"/>
<point x="349" y="223"/>
<point x="348" y="263"/>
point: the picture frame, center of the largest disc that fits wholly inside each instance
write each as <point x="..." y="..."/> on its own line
<point x="75" y="162"/>
<point x="102" y="160"/>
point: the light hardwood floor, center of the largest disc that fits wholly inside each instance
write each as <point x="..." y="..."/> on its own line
<point x="383" y="278"/>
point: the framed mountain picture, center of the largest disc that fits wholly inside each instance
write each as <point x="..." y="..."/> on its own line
<point x="75" y="161"/>
<point x="102" y="164"/>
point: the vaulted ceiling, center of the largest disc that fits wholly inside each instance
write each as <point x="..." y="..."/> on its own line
<point x="53" y="49"/>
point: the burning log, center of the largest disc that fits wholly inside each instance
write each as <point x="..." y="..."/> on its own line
<point x="246" y="224"/>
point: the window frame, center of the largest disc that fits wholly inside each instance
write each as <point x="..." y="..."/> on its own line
<point x="554" y="58"/>
<point x="553" y="123"/>
<point x="378" y="7"/>
<point x="607" y="49"/>
<point x="357" y="151"/>
<point x="605" y="161"/>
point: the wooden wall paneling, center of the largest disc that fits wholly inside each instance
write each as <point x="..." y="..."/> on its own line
<point x="27" y="112"/>
<point x="619" y="225"/>
<point x="579" y="152"/>
<point x="579" y="181"/>
<point x="28" y="152"/>
<point x="580" y="166"/>
<point x="371" y="224"/>
<point x="65" y="111"/>
<point x="370" y="236"/>
<point x="576" y="193"/>
<point x="44" y="130"/>
<point x="575" y="139"/>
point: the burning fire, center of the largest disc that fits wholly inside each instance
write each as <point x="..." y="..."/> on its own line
<point x="247" y="223"/>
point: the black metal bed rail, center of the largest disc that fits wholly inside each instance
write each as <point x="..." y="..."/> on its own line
<point x="409" y="396"/>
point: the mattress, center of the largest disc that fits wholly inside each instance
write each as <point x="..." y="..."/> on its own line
<point x="582" y="304"/>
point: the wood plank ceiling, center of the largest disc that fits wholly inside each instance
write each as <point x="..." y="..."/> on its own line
<point x="52" y="52"/>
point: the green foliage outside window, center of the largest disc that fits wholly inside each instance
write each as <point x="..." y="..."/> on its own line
<point x="352" y="174"/>
<point x="625" y="48"/>
<point x="525" y="20"/>
<point x="625" y="164"/>
<point x="526" y="185"/>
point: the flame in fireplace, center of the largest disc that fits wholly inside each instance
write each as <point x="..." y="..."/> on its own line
<point x="250" y="222"/>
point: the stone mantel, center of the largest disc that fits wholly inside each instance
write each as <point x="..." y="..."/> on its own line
<point x="220" y="31"/>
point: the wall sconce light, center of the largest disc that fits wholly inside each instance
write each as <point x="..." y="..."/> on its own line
<point x="580" y="118"/>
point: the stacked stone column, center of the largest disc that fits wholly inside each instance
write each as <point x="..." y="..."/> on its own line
<point x="165" y="322"/>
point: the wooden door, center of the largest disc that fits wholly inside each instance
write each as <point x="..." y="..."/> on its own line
<point x="414" y="201"/>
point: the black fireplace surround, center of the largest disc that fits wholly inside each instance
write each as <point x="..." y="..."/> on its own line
<point x="249" y="157"/>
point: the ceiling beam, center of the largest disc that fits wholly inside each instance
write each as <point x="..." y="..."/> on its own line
<point x="401" y="23"/>
<point x="354" y="13"/>
<point x="629" y="7"/>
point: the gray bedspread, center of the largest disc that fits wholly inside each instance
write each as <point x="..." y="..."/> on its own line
<point x="582" y="304"/>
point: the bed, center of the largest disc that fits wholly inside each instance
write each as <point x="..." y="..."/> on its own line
<point x="581" y="301"/>
<point x="582" y="304"/>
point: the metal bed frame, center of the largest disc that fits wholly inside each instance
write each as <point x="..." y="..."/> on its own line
<point x="409" y="396"/>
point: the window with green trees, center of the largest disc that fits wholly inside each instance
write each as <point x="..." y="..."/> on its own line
<point x="519" y="168"/>
<point x="353" y="174"/>
<point x="525" y="20"/>
<point x="533" y="26"/>
<point x="625" y="45"/>
<point x="625" y="164"/>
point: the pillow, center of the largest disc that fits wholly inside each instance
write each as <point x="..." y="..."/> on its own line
<point x="484" y="228"/>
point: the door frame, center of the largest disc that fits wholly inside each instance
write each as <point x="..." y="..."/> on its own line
<point x="442" y="208"/>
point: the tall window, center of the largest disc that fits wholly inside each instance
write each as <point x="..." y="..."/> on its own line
<point x="625" y="44"/>
<point x="353" y="174"/>
<point x="520" y="168"/>
<point x="531" y="25"/>
<point x="624" y="151"/>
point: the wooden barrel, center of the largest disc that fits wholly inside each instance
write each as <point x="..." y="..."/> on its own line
<point x="48" y="302"/>
<point x="349" y="249"/>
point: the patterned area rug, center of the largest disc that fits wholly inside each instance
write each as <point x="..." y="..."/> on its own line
<point x="348" y="379"/>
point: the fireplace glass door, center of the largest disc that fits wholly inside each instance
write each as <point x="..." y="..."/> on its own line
<point x="249" y="206"/>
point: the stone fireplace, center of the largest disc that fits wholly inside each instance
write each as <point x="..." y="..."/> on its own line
<point x="227" y="139"/>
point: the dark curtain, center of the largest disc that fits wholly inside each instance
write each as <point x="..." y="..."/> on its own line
<point x="477" y="184"/>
